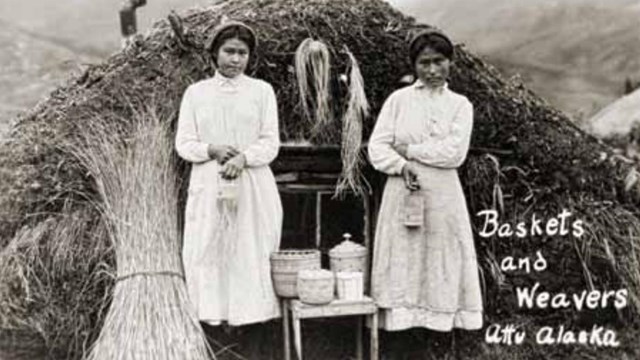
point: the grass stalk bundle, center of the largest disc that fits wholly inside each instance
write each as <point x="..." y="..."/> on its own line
<point x="150" y="316"/>
<point x="357" y="110"/>
<point x="313" y="71"/>
<point x="55" y="278"/>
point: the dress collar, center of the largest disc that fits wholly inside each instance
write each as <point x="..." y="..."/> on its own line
<point x="420" y="85"/>
<point x="227" y="82"/>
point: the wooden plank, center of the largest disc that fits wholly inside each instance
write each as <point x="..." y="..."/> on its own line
<point x="359" y="336"/>
<point x="334" y="312"/>
<point x="287" y="177"/>
<point x="285" y="329"/>
<point x="312" y="159"/>
<point x="297" y="335"/>
<point x="318" y="219"/>
<point x="333" y="309"/>
<point x="306" y="188"/>
<point x="308" y="158"/>
<point x="297" y="303"/>
<point x="291" y="147"/>
<point x="367" y="241"/>
<point x="306" y="177"/>
<point x="374" y="337"/>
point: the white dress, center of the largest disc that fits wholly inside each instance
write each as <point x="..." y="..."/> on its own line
<point x="241" y="112"/>
<point x="425" y="276"/>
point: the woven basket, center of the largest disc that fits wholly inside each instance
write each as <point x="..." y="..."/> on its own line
<point x="285" y="265"/>
<point x="316" y="286"/>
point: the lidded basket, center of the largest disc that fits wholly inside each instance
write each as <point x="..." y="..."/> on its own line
<point x="348" y="256"/>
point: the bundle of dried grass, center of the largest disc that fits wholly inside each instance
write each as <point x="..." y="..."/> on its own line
<point x="313" y="71"/>
<point x="357" y="110"/>
<point x="150" y="316"/>
<point x="55" y="278"/>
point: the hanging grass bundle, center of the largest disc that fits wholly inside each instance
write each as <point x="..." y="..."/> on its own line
<point x="313" y="70"/>
<point x="226" y="227"/>
<point x="149" y="316"/>
<point x="357" y="110"/>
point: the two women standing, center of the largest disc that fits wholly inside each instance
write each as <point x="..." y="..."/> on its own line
<point x="423" y="276"/>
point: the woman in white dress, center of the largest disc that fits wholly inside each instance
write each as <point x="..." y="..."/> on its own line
<point x="425" y="276"/>
<point x="228" y="131"/>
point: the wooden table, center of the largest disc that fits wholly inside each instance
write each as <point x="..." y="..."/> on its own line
<point x="300" y="310"/>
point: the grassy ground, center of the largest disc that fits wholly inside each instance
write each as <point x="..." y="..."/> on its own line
<point x="335" y="339"/>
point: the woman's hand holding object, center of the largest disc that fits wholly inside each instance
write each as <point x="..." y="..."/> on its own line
<point x="221" y="153"/>
<point x="410" y="176"/>
<point x="409" y="173"/>
<point x="232" y="168"/>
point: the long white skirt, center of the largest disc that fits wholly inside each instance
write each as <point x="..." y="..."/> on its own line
<point x="427" y="276"/>
<point x="232" y="283"/>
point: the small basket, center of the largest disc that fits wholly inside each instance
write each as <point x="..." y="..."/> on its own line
<point x="285" y="265"/>
<point x="316" y="286"/>
<point x="348" y="256"/>
<point x="228" y="189"/>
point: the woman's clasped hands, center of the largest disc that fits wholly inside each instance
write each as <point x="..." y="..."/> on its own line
<point x="230" y="158"/>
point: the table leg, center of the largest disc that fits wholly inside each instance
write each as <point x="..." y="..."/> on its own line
<point x="297" y="334"/>
<point x="374" y="336"/>
<point x="285" y="330"/>
<point x="359" y="336"/>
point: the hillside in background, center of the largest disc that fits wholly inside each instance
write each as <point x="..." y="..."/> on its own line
<point x="618" y="118"/>
<point x="88" y="26"/>
<point x="31" y="67"/>
<point x="574" y="53"/>
<point x="43" y="42"/>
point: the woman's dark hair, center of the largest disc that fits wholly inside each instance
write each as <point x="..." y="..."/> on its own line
<point x="434" y="40"/>
<point x="232" y="32"/>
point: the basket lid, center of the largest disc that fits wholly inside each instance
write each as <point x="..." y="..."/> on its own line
<point x="315" y="274"/>
<point x="347" y="247"/>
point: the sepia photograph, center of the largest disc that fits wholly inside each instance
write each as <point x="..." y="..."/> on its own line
<point x="319" y="179"/>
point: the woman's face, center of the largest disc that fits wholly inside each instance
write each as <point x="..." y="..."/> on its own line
<point x="233" y="56"/>
<point x="432" y="67"/>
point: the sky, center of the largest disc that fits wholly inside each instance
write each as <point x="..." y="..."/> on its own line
<point x="92" y="26"/>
